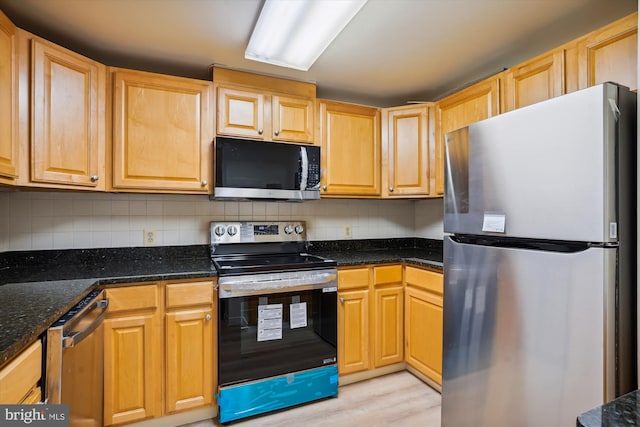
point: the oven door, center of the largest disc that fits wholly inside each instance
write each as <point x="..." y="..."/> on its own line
<point x="279" y="330"/>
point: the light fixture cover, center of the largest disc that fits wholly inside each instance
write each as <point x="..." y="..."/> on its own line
<point x="294" y="33"/>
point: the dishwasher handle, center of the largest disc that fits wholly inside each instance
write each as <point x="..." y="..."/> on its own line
<point x="76" y="337"/>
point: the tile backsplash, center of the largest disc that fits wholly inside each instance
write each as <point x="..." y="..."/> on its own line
<point x="58" y="220"/>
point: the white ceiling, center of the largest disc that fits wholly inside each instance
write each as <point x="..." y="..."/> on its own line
<point x="393" y="51"/>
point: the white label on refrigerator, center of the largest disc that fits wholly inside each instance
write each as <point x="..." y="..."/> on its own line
<point x="298" y="315"/>
<point x="269" y="322"/>
<point x="493" y="223"/>
<point x="613" y="230"/>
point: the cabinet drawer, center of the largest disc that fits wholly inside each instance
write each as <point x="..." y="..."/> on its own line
<point x="193" y="293"/>
<point x="21" y="375"/>
<point x="353" y="278"/>
<point x="425" y="279"/>
<point x="387" y="274"/>
<point x="132" y="298"/>
<point x="34" y="396"/>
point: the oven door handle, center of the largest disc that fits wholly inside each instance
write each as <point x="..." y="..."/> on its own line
<point x="256" y="285"/>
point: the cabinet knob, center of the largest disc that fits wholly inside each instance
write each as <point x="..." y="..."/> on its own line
<point x="207" y="317"/>
<point x="260" y="131"/>
<point x="342" y="300"/>
<point x="390" y="189"/>
<point x="204" y="183"/>
<point x="324" y="188"/>
<point x="277" y="132"/>
<point x="94" y="178"/>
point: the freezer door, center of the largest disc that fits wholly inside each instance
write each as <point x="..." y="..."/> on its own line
<point x="528" y="335"/>
<point x="546" y="171"/>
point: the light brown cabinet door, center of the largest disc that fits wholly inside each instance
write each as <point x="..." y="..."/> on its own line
<point x="610" y="54"/>
<point x="132" y="379"/>
<point x="536" y="80"/>
<point x="350" y="136"/>
<point x="389" y="326"/>
<point x="292" y="119"/>
<point x="423" y="332"/>
<point x="163" y="133"/>
<point x="189" y="358"/>
<point x="405" y="152"/>
<point x="8" y="100"/>
<point x="67" y="117"/>
<point x="241" y="113"/>
<point x="477" y="102"/>
<point x="353" y="331"/>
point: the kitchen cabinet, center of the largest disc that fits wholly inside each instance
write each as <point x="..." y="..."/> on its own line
<point x="67" y="118"/>
<point x="350" y="138"/>
<point x="264" y="107"/>
<point x="132" y="354"/>
<point x="8" y="101"/>
<point x="265" y="116"/>
<point x="610" y="54"/>
<point x="474" y="103"/>
<point x="162" y="133"/>
<point x="405" y="151"/>
<point x="353" y="320"/>
<point x="19" y="378"/>
<point x="423" y="322"/>
<point x="388" y="315"/>
<point x="535" y="80"/>
<point x="189" y="347"/>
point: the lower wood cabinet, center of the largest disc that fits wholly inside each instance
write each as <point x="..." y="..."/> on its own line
<point x="423" y="321"/>
<point x="353" y="320"/>
<point x="159" y="347"/>
<point x="388" y="315"/>
<point x="19" y="379"/>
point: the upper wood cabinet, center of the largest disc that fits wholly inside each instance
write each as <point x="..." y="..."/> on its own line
<point x="67" y="118"/>
<point x="474" y="103"/>
<point x="8" y="101"/>
<point x="162" y="133"/>
<point x="405" y="151"/>
<point x="535" y="80"/>
<point x="350" y="162"/>
<point x="264" y="107"/>
<point x="610" y="54"/>
<point x="265" y="116"/>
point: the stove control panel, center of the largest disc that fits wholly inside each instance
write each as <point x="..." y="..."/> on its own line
<point x="257" y="232"/>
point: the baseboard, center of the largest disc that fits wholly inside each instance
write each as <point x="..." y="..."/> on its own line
<point x="179" y="419"/>
<point x="372" y="373"/>
<point x="437" y="387"/>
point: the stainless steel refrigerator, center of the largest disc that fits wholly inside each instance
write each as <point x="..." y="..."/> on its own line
<point x="540" y="261"/>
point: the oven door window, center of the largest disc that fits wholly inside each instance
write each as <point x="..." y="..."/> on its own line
<point x="264" y="336"/>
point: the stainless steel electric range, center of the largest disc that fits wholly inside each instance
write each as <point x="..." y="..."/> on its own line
<point x="277" y="325"/>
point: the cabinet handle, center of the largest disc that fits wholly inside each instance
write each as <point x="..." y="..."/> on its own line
<point x="324" y="188"/>
<point x="94" y="178"/>
<point x="277" y="132"/>
<point x="260" y="131"/>
<point x="207" y="317"/>
<point x="204" y="183"/>
<point x="342" y="300"/>
<point x="390" y="189"/>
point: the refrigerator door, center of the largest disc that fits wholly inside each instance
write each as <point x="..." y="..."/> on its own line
<point x="525" y="333"/>
<point x="546" y="171"/>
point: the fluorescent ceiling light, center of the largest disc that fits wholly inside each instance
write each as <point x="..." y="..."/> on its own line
<point x="294" y="33"/>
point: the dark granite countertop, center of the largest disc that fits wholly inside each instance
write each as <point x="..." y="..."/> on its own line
<point x="621" y="412"/>
<point x="37" y="287"/>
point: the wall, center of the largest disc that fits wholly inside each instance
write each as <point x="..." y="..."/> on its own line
<point x="57" y="220"/>
<point x="428" y="220"/>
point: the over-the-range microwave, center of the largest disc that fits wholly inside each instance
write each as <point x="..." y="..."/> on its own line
<point x="248" y="169"/>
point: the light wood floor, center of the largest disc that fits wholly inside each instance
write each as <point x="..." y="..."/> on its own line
<point x="398" y="400"/>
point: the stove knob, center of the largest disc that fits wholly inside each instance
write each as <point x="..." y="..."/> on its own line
<point x="299" y="229"/>
<point x="232" y="230"/>
<point x="219" y="230"/>
<point x="288" y="229"/>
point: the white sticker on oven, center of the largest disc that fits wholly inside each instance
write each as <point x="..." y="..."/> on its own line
<point x="269" y="322"/>
<point x="298" y="315"/>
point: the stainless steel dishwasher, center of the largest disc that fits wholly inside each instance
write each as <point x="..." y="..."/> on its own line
<point x="74" y="367"/>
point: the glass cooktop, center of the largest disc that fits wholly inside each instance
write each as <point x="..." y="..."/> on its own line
<point x="246" y="264"/>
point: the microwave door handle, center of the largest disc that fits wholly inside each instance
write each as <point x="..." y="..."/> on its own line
<point x="75" y="338"/>
<point x="304" y="175"/>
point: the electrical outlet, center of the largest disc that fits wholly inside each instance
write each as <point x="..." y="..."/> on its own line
<point x="347" y="231"/>
<point x="149" y="236"/>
